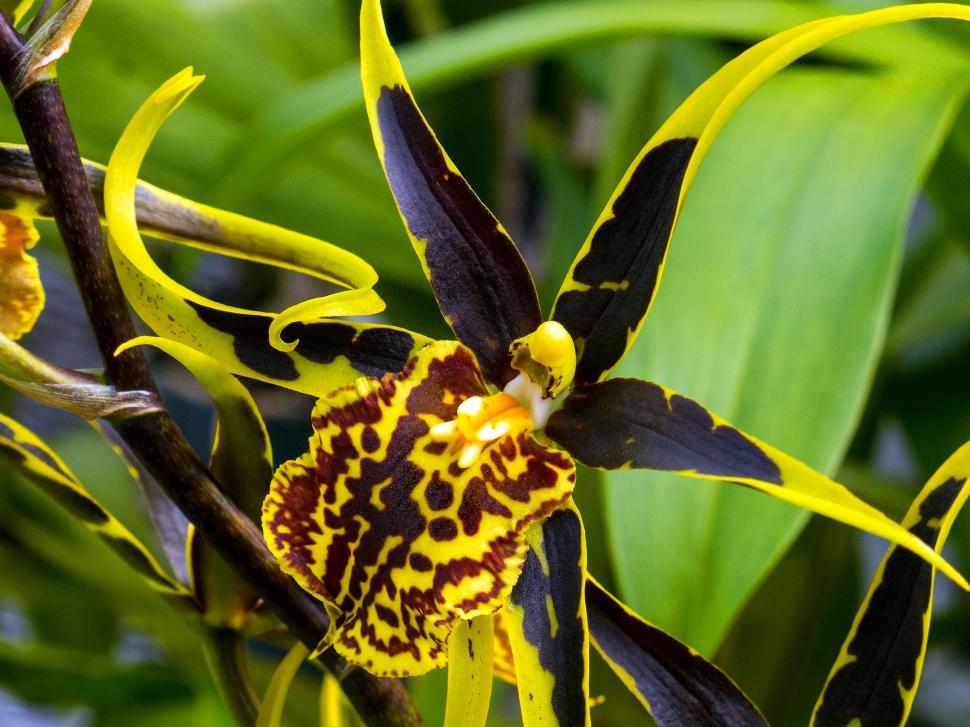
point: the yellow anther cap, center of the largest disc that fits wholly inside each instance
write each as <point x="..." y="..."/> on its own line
<point x="547" y="356"/>
<point x="551" y="345"/>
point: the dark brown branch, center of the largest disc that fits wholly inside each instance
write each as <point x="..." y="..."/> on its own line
<point x="155" y="438"/>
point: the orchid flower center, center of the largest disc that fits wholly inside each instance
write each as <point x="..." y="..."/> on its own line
<point x="481" y="420"/>
<point x="546" y="360"/>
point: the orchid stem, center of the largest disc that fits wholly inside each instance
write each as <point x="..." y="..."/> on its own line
<point x="225" y="654"/>
<point x="155" y="438"/>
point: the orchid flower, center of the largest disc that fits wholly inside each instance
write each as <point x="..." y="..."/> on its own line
<point x="439" y="495"/>
<point x="432" y="514"/>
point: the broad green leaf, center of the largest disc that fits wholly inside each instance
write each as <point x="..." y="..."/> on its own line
<point x="820" y="170"/>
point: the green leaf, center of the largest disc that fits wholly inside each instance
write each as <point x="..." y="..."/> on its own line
<point x="819" y="172"/>
<point x="447" y="59"/>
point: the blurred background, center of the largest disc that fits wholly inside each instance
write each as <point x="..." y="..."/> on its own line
<point x="817" y="294"/>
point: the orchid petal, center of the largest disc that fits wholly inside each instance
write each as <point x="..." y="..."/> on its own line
<point x="613" y="280"/>
<point x="481" y="282"/>
<point x="547" y="624"/>
<point x="241" y="462"/>
<point x="676" y="684"/>
<point x="633" y="424"/>
<point x="28" y="455"/>
<point x="320" y="355"/>
<point x="875" y="676"/>
<point x="21" y="292"/>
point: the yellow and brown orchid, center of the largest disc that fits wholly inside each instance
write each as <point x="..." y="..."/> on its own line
<point x="439" y="494"/>
<point x="432" y="514"/>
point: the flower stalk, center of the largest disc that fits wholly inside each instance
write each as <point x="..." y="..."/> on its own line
<point x="154" y="437"/>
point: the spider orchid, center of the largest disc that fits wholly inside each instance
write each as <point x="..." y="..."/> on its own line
<point x="432" y="514"/>
<point x="439" y="495"/>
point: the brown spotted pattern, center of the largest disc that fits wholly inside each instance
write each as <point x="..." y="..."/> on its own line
<point x="380" y="523"/>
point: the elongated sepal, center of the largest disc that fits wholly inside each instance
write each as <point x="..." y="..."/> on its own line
<point x="547" y="624"/>
<point x="633" y="424"/>
<point x="875" y="677"/>
<point x="469" y="673"/>
<point x="482" y="284"/>
<point x="675" y="683"/>
<point x="613" y="281"/>
<point x="21" y="292"/>
<point x="28" y="455"/>
<point x="295" y="349"/>
<point x="242" y="464"/>
<point x="444" y="538"/>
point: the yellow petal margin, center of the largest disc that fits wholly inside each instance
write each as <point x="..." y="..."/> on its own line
<point x="548" y="628"/>
<point x="317" y="355"/>
<point x="380" y="522"/>
<point x="875" y="677"/>
<point x="632" y="424"/>
<point x="29" y="455"/>
<point x="612" y="283"/>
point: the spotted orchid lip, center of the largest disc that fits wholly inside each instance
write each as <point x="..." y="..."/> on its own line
<point x="401" y="533"/>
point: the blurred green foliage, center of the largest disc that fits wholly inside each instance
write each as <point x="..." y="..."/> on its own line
<point x="817" y="293"/>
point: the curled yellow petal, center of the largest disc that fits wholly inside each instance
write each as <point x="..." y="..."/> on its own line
<point x="322" y="354"/>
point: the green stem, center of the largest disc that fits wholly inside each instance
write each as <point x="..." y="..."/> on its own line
<point x="225" y="655"/>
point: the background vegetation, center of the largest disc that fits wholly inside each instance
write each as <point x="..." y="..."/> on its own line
<point x="817" y="293"/>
